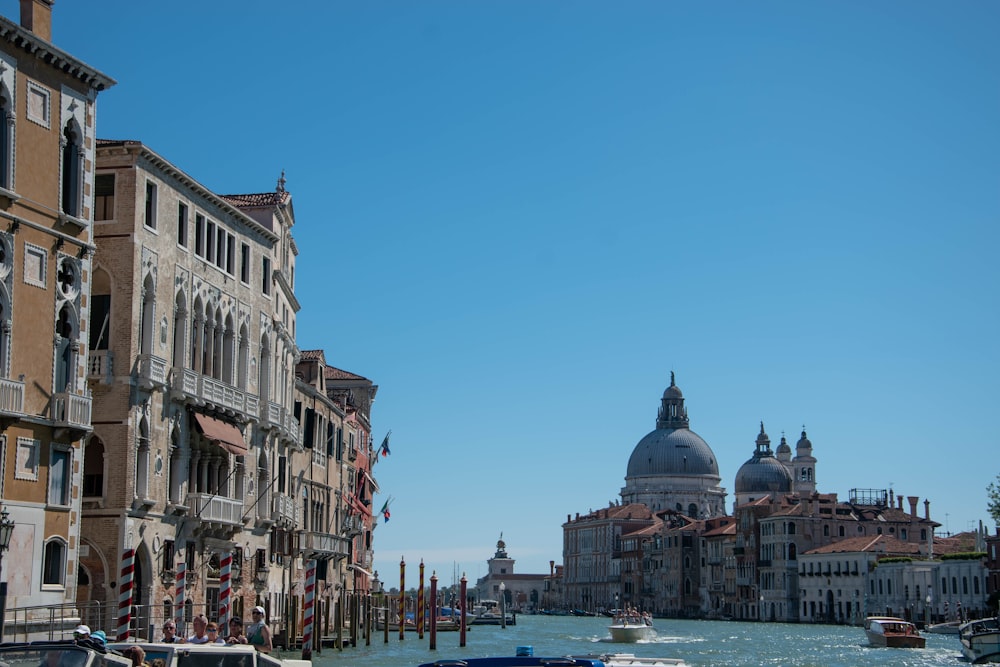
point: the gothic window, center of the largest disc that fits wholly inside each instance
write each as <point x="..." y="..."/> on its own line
<point x="142" y="461"/>
<point x="146" y="323"/>
<point x="228" y="349"/>
<point x="180" y="326"/>
<point x="6" y="141"/>
<point x="242" y="361"/>
<point x="65" y="349"/>
<point x="72" y="176"/>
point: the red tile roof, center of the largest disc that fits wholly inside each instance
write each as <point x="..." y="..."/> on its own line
<point x="331" y="373"/>
<point x="257" y="199"/>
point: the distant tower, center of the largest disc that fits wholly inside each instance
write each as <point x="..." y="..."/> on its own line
<point x="500" y="565"/>
<point x="804" y="466"/>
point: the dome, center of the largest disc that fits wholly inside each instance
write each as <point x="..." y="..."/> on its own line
<point x="783" y="452"/>
<point x="763" y="473"/>
<point x="803" y="442"/>
<point x="672" y="451"/>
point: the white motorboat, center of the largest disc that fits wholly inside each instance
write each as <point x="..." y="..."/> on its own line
<point x="631" y="628"/>
<point x="82" y="653"/>
<point x="893" y="632"/>
<point x="981" y="640"/>
<point x="631" y="660"/>
<point x="208" y="655"/>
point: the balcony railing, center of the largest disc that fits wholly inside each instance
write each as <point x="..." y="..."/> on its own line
<point x="283" y="510"/>
<point x="193" y="387"/>
<point x="71" y="411"/>
<point x="215" y="509"/>
<point x="324" y="544"/>
<point x="151" y="370"/>
<point x="99" y="365"/>
<point x="11" y="398"/>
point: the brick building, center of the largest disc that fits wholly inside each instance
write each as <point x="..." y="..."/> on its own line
<point x="47" y="141"/>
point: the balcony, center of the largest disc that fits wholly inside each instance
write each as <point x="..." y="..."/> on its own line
<point x="191" y="387"/>
<point x="284" y="511"/>
<point x="277" y="418"/>
<point x="71" y="411"/>
<point x="219" y="516"/>
<point x="323" y="546"/>
<point x="11" y="398"/>
<point x="99" y="366"/>
<point x="353" y="525"/>
<point x="151" y="371"/>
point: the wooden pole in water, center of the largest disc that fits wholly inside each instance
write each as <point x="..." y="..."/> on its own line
<point x="402" y="597"/>
<point x="462" y="588"/>
<point x="420" y="603"/>
<point x="434" y="598"/>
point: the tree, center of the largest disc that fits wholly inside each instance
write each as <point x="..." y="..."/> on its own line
<point x="993" y="496"/>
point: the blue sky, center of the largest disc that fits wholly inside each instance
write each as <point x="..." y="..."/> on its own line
<point x="518" y="217"/>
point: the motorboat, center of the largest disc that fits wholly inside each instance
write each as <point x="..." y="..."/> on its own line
<point x="208" y="655"/>
<point x="632" y="660"/>
<point x="949" y="628"/>
<point x="981" y="640"/>
<point x="80" y="653"/>
<point x="631" y="628"/>
<point x="893" y="632"/>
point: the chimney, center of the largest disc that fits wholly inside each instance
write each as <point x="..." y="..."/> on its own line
<point x="913" y="505"/>
<point x="927" y="510"/>
<point x="552" y="568"/>
<point x="36" y="16"/>
<point x="899" y="501"/>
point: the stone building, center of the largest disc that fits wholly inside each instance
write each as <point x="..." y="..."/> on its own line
<point x="192" y="360"/>
<point x="48" y="116"/>
<point x="593" y="554"/>
<point x="522" y="592"/>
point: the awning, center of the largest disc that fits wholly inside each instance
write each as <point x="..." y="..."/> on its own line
<point x="221" y="433"/>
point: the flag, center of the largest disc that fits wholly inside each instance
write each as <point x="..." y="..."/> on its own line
<point x="385" y="510"/>
<point x="385" y="444"/>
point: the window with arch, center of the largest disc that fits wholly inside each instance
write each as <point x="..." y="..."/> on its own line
<point x="142" y="461"/>
<point x="180" y="327"/>
<point x="693" y="511"/>
<point x="65" y="349"/>
<point x="54" y="562"/>
<point x="146" y="315"/>
<point x="72" y="170"/>
<point x="93" y="469"/>
<point x="6" y="140"/>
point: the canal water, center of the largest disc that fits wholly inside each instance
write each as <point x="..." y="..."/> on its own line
<point x="699" y="643"/>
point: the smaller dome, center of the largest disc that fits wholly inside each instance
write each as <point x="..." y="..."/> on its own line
<point x="763" y="474"/>
<point x="803" y="442"/>
<point x="783" y="452"/>
<point x="673" y="391"/>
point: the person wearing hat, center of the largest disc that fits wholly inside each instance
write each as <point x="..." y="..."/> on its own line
<point x="258" y="633"/>
<point x="81" y="632"/>
<point x="99" y="637"/>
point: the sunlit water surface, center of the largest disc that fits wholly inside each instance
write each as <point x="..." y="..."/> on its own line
<point x="697" y="642"/>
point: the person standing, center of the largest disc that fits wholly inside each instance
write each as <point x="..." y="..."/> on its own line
<point x="258" y="633"/>
<point x="200" y="625"/>
<point x="170" y="634"/>
<point x="213" y="633"/>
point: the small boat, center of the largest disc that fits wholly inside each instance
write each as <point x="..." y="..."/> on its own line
<point x="981" y="640"/>
<point x="632" y="660"/>
<point x="631" y="628"/>
<point x="81" y="653"/>
<point x="893" y="632"/>
<point x="949" y="628"/>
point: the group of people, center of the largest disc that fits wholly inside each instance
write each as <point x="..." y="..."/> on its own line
<point x="256" y="634"/>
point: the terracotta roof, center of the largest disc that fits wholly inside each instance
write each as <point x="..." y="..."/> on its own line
<point x="957" y="543"/>
<point x="257" y="199"/>
<point x="332" y="373"/>
<point x="882" y="544"/>
<point x="311" y="355"/>
<point x="726" y="529"/>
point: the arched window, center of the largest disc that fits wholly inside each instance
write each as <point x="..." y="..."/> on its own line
<point x="93" y="469"/>
<point x="65" y="349"/>
<point x="146" y="324"/>
<point x="72" y="159"/>
<point x="792" y="553"/>
<point x="54" y="563"/>
<point x="264" y="382"/>
<point x="175" y="469"/>
<point x="228" y="350"/>
<point x="180" y="327"/>
<point x="6" y="140"/>
<point x="244" y="358"/>
<point x="693" y="511"/>
<point x="142" y="461"/>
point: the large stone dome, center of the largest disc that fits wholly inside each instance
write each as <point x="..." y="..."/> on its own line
<point x="672" y="451"/>
<point x="672" y="467"/>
